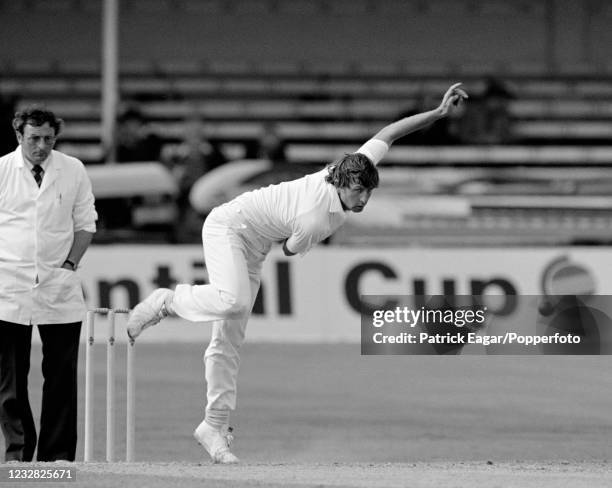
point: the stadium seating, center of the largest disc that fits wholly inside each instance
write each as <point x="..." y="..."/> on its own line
<point x="300" y="98"/>
<point x="323" y="103"/>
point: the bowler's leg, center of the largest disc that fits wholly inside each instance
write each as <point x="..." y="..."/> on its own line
<point x="222" y="362"/>
<point x="226" y="296"/>
<point x="228" y="293"/>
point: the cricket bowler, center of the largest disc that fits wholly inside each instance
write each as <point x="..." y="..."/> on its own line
<point x="238" y="235"/>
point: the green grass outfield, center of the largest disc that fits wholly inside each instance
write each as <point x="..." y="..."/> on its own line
<point x="323" y="415"/>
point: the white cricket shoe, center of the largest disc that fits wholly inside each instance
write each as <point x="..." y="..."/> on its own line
<point x="150" y="311"/>
<point x="216" y="442"/>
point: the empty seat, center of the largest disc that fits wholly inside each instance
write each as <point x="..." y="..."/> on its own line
<point x="246" y="86"/>
<point x="527" y="68"/>
<point x="84" y="151"/>
<point x="136" y="86"/>
<point x="551" y="129"/>
<point x="136" y="67"/>
<point x="564" y="109"/>
<point x="87" y="87"/>
<point x="280" y="68"/>
<point x="67" y="109"/>
<point x="40" y="87"/>
<point x="82" y="131"/>
<point x="228" y="67"/>
<point x="180" y="67"/>
<point x="28" y="67"/>
<point x="167" y="110"/>
<point x="80" y="67"/>
<point x="188" y="87"/>
<point x="471" y="155"/>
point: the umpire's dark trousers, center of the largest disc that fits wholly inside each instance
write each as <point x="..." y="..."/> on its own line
<point x="58" y="416"/>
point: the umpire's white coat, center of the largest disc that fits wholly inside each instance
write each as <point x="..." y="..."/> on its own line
<point x="37" y="227"/>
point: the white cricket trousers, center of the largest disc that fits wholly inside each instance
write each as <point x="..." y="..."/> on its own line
<point x="234" y="255"/>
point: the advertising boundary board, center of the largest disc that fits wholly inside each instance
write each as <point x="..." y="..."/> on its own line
<point x="316" y="298"/>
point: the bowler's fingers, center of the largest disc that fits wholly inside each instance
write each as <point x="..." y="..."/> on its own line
<point x="462" y="93"/>
<point x="453" y="92"/>
<point x="456" y="94"/>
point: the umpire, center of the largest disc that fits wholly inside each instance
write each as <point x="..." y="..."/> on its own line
<point x="47" y="221"/>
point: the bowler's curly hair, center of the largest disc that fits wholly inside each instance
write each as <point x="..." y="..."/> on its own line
<point x="36" y="116"/>
<point x="353" y="168"/>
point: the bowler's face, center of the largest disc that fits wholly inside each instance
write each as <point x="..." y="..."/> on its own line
<point x="354" y="197"/>
<point x="36" y="142"/>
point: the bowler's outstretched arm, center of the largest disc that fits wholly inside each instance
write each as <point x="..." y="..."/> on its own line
<point x="413" y="123"/>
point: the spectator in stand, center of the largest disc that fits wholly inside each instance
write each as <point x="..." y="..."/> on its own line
<point x="192" y="158"/>
<point x="135" y="142"/>
<point x="487" y="119"/>
<point x="269" y="146"/>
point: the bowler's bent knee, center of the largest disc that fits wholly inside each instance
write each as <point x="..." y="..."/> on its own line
<point x="233" y="306"/>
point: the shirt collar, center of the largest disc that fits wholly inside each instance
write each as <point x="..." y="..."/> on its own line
<point x="335" y="205"/>
<point x="44" y="165"/>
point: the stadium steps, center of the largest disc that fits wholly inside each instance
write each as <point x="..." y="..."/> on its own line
<point x="289" y="108"/>
<point x="347" y="131"/>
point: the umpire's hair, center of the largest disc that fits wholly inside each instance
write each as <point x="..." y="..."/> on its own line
<point x="353" y="168"/>
<point x="36" y="116"/>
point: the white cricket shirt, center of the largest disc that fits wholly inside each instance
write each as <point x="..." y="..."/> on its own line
<point x="304" y="211"/>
